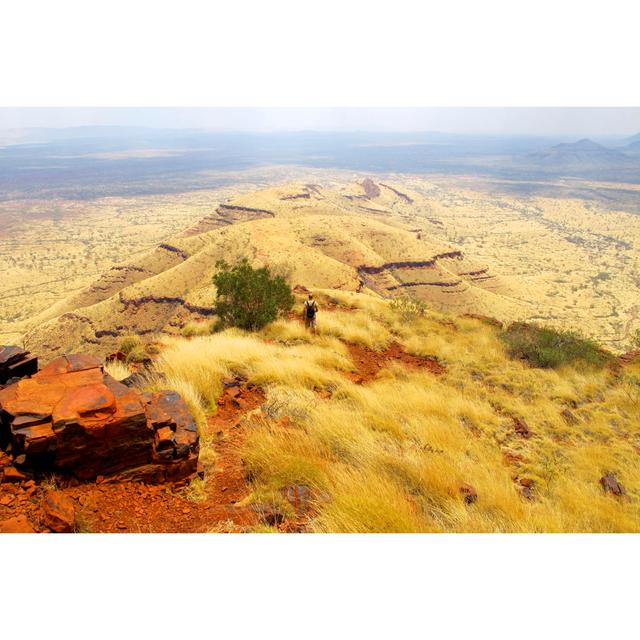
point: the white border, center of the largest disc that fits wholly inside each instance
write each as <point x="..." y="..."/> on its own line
<point x="334" y="53"/>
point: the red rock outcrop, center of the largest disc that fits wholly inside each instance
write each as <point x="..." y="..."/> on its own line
<point x="371" y="189"/>
<point x="72" y="417"/>
<point x="59" y="512"/>
<point x="18" y="524"/>
<point x="610" y="484"/>
<point x="16" y="363"/>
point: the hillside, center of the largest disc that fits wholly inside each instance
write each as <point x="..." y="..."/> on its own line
<point x="390" y="419"/>
<point x="460" y="245"/>
<point x="394" y="416"/>
<point x="375" y="246"/>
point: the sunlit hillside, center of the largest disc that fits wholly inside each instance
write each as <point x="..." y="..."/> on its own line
<point x="459" y="247"/>
<point x="340" y="238"/>
<point x="396" y="420"/>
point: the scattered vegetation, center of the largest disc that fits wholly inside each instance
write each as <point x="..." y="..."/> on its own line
<point x="129" y="343"/>
<point x="137" y="354"/>
<point x="249" y="298"/>
<point x="631" y="386"/>
<point x="549" y="348"/>
<point x="392" y="454"/>
<point x="196" y="491"/>
<point x="408" y="308"/>
<point x="192" y="329"/>
<point x="50" y="483"/>
<point x="81" y="523"/>
<point x="357" y="328"/>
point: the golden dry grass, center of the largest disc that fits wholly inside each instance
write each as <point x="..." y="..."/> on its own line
<point x="392" y="455"/>
<point x="118" y="370"/>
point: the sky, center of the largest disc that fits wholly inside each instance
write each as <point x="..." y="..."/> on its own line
<point x="537" y="121"/>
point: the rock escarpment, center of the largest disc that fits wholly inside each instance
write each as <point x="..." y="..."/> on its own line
<point x="71" y="417"/>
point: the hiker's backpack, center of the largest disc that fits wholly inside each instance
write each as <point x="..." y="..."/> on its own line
<point x="311" y="309"/>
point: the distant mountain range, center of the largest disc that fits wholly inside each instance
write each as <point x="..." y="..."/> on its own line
<point x="633" y="144"/>
<point x="87" y="162"/>
<point x="582" y="154"/>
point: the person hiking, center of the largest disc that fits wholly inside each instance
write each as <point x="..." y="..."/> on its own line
<point x="310" y="311"/>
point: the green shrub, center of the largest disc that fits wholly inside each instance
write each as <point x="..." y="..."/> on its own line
<point x="551" y="348"/>
<point x="128" y="343"/>
<point x="249" y="298"/>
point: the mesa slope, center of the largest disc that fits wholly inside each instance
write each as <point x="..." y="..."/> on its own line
<point x="352" y="237"/>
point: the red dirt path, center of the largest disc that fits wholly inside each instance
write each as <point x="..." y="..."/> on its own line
<point x="130" y="507"/>
<point x="369" y="363"/>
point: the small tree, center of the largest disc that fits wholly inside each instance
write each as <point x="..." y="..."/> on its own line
<point x="249" y="298"/>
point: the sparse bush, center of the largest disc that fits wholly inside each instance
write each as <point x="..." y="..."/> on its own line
<point x="152" y="348"/>
<point x="128" y="343"/>
<point x="82" y="524"/>
<point x="551" y="348"/>
<point x="137" y="354"/>
<point x="408" y="307"/>
<point x="196" y="491"/>
<point x="631" y="387"/>
<point x="250" y="298"/>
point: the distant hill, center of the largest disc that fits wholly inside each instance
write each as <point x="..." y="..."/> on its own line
<point x="582" y="154"/>
<point x="633" y="144"/>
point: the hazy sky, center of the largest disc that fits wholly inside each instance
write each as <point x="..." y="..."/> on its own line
<point x="568" y="121"/>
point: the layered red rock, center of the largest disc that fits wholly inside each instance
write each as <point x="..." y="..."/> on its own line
<point x="15" y="362"/>
<point x="73" y="417"/>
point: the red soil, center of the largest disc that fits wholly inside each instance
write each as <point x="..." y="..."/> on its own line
<point x="130" y="507"/>
<point x="369" y="363"/>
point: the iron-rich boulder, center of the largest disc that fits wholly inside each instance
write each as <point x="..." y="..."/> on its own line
<point x="610" y="484"/>
<point x="73" y="417"/>
<point x="59" y="512"/>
